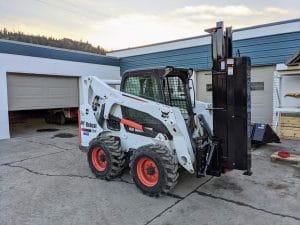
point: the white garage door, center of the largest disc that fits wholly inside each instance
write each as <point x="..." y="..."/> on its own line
<point x="261" y="94"/>
<point x="27" y="92"/>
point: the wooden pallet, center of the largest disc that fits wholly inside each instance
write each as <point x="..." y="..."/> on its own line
<point x="293" y="159"/>
<point x="290" y="127"/>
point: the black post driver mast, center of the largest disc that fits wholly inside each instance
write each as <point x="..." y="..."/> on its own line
<point x="231" y="106"/>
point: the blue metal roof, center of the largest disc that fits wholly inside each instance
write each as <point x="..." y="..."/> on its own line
<point x="20" y="48"/>
<point x="265" y="50"/>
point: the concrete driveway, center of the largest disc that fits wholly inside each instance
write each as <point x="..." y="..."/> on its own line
<point x="45" y="179"/>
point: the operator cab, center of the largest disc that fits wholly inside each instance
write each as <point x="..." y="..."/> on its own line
<point x="167" y="85"/>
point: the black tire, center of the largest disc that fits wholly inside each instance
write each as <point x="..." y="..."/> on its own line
<point x="166" y="163"/>
<point x="48" y="118"/>
<point x="114" y="156"/>
<point x="60" y="118"/>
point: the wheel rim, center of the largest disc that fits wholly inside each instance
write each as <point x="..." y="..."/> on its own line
<point x="99" y="159"/>
<point x="147" y="172"/>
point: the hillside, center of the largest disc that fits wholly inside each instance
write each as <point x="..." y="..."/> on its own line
<point x="50" y="41"/>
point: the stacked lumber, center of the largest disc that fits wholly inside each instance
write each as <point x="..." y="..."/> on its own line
<point x="290" y="127"/>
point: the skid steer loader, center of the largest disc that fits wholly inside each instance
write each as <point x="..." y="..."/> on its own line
<point x="157" y="125"/>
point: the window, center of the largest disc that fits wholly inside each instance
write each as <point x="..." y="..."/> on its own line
<point x="143" y="86"/>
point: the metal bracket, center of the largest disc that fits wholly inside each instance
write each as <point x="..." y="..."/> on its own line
<point x="208" y="158"/>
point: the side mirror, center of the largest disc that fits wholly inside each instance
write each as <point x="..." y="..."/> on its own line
<point x="192" y="92"/>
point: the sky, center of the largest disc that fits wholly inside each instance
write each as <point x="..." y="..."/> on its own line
<point x="118" y="24"/>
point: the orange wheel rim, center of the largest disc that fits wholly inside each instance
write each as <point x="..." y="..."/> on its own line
<point x="99" y="159"/>
<point x="147" y="172"/>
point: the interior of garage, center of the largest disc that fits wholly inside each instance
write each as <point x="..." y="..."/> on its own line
<point x="39" y="103"/>
<point x="35" y="77"/>
<point x="26" y="123"/>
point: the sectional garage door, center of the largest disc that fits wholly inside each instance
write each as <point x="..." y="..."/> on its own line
<point x="261" y="93"/>
<point x="28" y="91"/>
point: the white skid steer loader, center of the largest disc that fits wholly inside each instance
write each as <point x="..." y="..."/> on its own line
<point x="155" y="124"/>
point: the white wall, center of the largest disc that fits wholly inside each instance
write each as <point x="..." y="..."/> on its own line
<point x="261" y="100"/>
<point x="34" y="65"/>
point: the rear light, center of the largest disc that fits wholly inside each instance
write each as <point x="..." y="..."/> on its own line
<point x="227" y="170"/>
<point x="74" y="113"/>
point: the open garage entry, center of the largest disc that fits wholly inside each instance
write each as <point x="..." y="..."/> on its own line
<point x="33" y="98"/>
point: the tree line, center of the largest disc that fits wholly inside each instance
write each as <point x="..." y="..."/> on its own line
<point x="66" y="43"/>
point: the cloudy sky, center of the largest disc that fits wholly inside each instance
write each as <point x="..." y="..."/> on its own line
<point x="116" y="24"/>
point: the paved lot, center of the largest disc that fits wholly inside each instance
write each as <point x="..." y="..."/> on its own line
<point x="45" y="179"/>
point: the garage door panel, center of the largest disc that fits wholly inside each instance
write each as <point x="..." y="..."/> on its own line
<point x="34" y="103"/>
<point x="19" y="91"/>
<point x="66" y="92"/>
<point x="27" y="92"/>
<point x="59" y="102"/>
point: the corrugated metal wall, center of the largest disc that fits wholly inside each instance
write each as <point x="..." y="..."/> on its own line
<point x="266" y="50"/>
<point x="269" y="50"/>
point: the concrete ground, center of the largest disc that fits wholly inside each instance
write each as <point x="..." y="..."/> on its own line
<point x="45" y="179"/>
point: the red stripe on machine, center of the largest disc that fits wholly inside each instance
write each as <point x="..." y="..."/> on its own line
<point x="132" y="124"/>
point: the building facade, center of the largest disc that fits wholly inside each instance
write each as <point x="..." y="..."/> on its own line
<point x="38" y="77"/>
<point x="267" y="45"/>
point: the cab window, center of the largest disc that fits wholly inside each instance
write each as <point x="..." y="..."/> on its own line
<point x="143" y="86"/>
